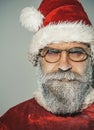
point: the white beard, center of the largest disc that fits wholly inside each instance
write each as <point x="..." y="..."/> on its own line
<point x="64" y="98"/>
<point x="60" y="96"/>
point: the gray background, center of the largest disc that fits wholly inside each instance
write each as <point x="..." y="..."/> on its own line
<point x="17" y="75"/>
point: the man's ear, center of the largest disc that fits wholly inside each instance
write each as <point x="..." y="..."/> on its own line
<point x="35" y="60"/>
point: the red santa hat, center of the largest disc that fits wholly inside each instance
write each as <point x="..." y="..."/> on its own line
<point x="55" y="21"/>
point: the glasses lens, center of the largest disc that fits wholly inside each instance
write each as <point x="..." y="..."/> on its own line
<point x="77" y="54"/>
<point x="52" y="55"/>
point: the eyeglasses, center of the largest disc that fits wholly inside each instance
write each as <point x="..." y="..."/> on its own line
<point x="51" y="55"/>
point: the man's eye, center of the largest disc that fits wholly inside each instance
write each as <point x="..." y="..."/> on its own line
<point x="76" y="51"/>
<point x="53" y="51"/>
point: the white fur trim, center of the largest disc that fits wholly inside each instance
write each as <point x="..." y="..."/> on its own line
<point x="31" y="18"/>
<point x="89" y="99"/>
<point x="67" y="32"/>
<point x="40" y="99"/>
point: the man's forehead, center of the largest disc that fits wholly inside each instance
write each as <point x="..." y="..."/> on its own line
<point x="60" y="45"/>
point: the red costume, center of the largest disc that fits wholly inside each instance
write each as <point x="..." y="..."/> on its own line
<point x="54" y="21"/>
<point x="31" y="116"/>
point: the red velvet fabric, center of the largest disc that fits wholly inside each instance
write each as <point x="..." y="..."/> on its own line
<point x="29" y="115"/>
<point x="47" y="6"/>
<point x="67" y="13"/>
<point x="63" y="10"/>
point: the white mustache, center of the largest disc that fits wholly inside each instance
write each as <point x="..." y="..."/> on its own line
<point x="60" y="76"/>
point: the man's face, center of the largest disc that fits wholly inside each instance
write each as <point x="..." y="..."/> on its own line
<point x="64" y="63"/>
<point x="65" y="79"/>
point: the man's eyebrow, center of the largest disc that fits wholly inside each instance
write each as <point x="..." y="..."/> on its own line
<point x="86" y="44"/>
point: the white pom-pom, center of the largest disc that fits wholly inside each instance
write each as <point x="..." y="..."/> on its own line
<point x="31" y="18"/>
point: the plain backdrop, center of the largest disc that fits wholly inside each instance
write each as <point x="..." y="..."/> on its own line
<point x="17" y="75"/>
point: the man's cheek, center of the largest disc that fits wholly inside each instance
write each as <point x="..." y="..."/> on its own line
<point x="48" y="68"/>
<point x="82" y="69"/>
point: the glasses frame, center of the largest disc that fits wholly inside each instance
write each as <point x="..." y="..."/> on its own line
<point x="60" y="51"/>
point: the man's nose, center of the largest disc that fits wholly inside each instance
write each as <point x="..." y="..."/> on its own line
<point x="64" y="63"/>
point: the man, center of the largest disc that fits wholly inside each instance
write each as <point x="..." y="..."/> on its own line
<point x="63" y="51"/>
